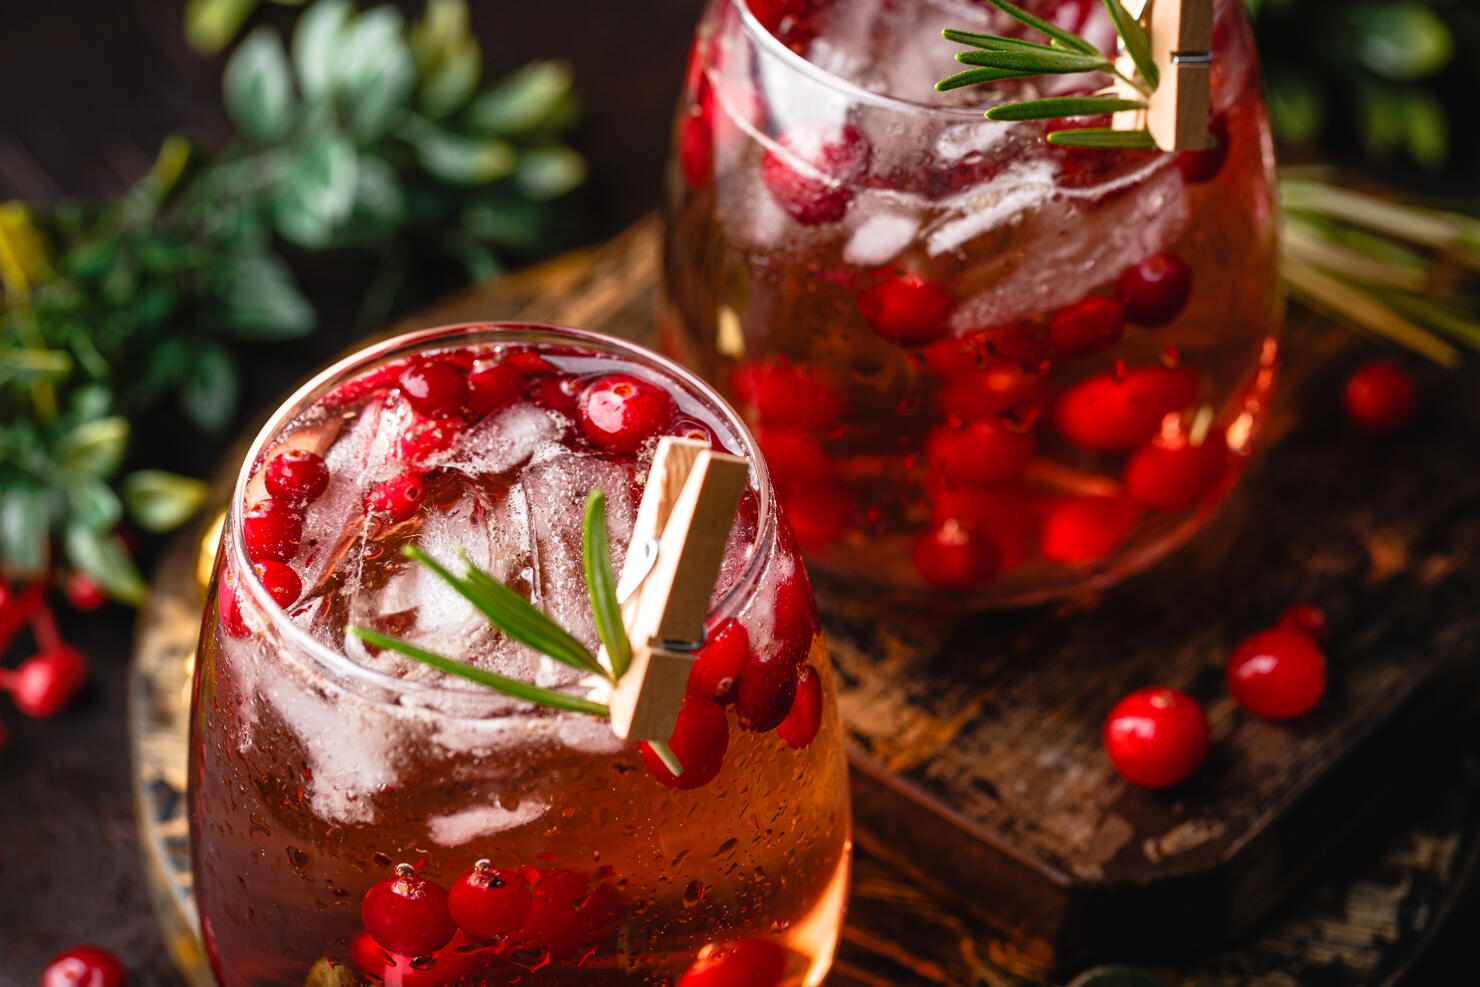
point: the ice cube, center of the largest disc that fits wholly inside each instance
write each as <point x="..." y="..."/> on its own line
<point x="881" y="230"/>
<point x="503" y="441"/>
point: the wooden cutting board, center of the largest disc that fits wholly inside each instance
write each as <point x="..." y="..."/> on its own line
<point x="996" y="842"/>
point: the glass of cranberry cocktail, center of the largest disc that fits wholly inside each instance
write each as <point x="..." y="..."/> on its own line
<point x="982" y="366"/>
<point x="361" y="816"/>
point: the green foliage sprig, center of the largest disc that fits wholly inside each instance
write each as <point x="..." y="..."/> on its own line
<point x="361" y="132"/>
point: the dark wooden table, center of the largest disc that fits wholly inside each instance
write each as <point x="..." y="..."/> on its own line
<point x="86" y="92"/>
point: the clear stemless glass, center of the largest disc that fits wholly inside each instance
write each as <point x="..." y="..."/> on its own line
<point x="322" y="769"/>
<point x="984" y="368"/>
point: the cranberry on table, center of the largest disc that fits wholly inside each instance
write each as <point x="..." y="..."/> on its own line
<point x="1115" y="412"/>
<point x="907" y="308"/>
<point x="718" y="663"/>
<point x="296" y="477"/>
<point x="1306" y="618"/>
<point x="1156" y="737"/>
<point x="811" y="177"/>
<point x="281" y="582"/>
<point x="951" y="554"/>
<point x="700" y="738"/>
<point x="46" y="682"/>
<point x="1171" y="473"/>
<point x="407" y="914"/>
<point x="620" y="412"/>
<point x="1204" y="166"/>
<point x="84" y="966"/>
<point x="271" y="530"/>
<point x="1088" y="326"/>
<point x="435" y="388"/>
<point x="1155" y="291"/>
<point x="1085" y="529"/>
<point x="979" y="453"/>
<point x="1277" y="674"/>
<point x="748" y="963"/>
<point x="83" y="591"/>
<point x="765" y="690"/>
<point x="805" y="719"/>
<point x="397" y="499"/>
<point x="1380" y="396"/>
<point x="486" y="902"/>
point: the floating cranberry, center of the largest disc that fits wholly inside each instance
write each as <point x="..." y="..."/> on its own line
<point x="978" y="453"/>
<point x="1000" y="387"/>
<point x="296" y="477"/>
<point x="228" y="607"/>
<point x="1003" y="514"/>
<point x="1110" y="412"/>
<point x="794" y="617"/>
<point x="1277" y="674"/>
<point x="530" y="362"/>
<point x="387" y="969"/>
<point x="407" y="914"/>
<point x="794" y="458"/>
<point x="811" y="178"/>
<point x="700" y="738"/>
<point x="805" y="718"/>
<point x="396" y="499"/>
<point x="620" y="412"/>
<point x="84" y="966"/>
<point x="280" y="581"/>
<point x="1155" y="291"/>
<point x="435" y="388"/>
<point x="784" y="393"/>
<point x="907" y="308"/>
<point x="1380" y="396"/>
<point x="748" y="963"/>
<point x="423" y="438"/>
<point x="695" y="431"/>
<point x="493" y="385"/>
<point x="719" y="662"/>
<point x="819" y="513"/>
<point x="83" y="591"/>
<point x="571" y="911"/>
<point x="271" y="530"/>
<point x="1083" y="529"/>
<point x="1204" y="165"/>
<point x="1169" y="473"/>
<point x="952" y="555"/>
<point x="557" y="394"/>
<point x="765" y="690"/>
<point x="1088" y="326"/>
<point x="1156" y="737"/>
<point x="1306" y="618"/>
<point x="488" y="903"/>
<point x="45" y="683"/>
<point x="696" y="146"/>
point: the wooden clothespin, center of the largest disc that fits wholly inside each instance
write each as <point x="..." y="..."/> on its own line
<point x="678" y="543"/>
<point x="1181" y="33"/>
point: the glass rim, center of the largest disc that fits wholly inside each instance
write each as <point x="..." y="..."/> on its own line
<point x="300" y="643"/>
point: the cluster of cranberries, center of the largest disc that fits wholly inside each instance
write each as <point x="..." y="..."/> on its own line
<point x="43" y="684"/>
<point x="1157" y="737"/>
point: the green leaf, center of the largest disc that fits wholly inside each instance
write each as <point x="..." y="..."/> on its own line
<point x="505" y="220"/>
<point x="1102" y="138"/>
<point x="380" y="202"/>
<point x="104" y="558"/>
<point x="1068" y="38"/>
<point x="258" y="89"/>
<point x="260" y="300"/>
<point x="374" y="74"/>
<point x="460" y="160"/>
<point x="549" y="172"/>
<point x="601" y="585"/>
<point x="525" y="101"/>
<point x="316" y="44"/>
<point x="448" y="61"/>
<point x="1063" y="106"/>
<point x="161" y="501"/>
<point x="318" y="191"/>
<point x="993" y="42"/>
<point x="972" y="77"/>
<point x="211" y="24"/>
<point x="1137" y="42"/>
<point x="95" y="448"/>
<point x="1405" y="42"/>
<point x="1037" y="62"/>
<point x="1428" y="129"/>
<point x="25" y="521"/>
<point x="208" y="394"/>
<point x="508" y="686"/>
<point x="93" y="504"/>
<point x="1296" y="107"/>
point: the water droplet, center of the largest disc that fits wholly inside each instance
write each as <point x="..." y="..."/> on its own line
<point x="297" y="859"/>
<point x="693" y="894"/>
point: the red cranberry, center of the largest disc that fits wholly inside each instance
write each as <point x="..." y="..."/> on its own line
<point x="1171" y="474"/>
<point x="530" y="362"/>
<point x="488" y="903"/>
<point x="1155" y="291"/>
<point x="999" y="387"/>
<point x="696" y="146"/>
<point x="978" y="453"/>
<point x="571" y="910"/>
<point x="795" y="624"/>
<point x="748" y="963"/>
<point x="45" y="683"/>
<point x="1109" y="412"/>
<point x="423" y="438"/>
<point x="492" y="386"/>
<point x="805" y="718"/>
<point x="812" y="178"/>
<point x="788" y="394"/>
<point x="389" y="969"/>
<point x="83" y="591"/>
<point x="296" y="477"/>
<point x="1083" y="529"/>
<point x="907" y="308"/>
<point x="407" y="914"/>
<point x="953" y="555"/>
<point x="228" y="607"/>
<point x="271" y="531"/>
<point x="1277" y="674"/>
<point x="397" y="499"/>
<point x="697" y="431"/>
<point x="765" y="690"/>
<point x="280" y="581"/>
<point x="819" y="513"/>
<point x="1003" y="514"/>
<point x="84" y="966"/>
<point x="1306" y="618"/>
<point x="1088" y="326"/>
<point x="557" y="394"/>
<point x="1156" y="737"/>
<point x="620" y="412"/>
<point x="1204" y="165"/>
<point x="1380" y="396"/>
<point x="794" y="458"/>
<point x="435" y="388"/>
<point x="719" y="662"/>
<point x="700" y="738"/>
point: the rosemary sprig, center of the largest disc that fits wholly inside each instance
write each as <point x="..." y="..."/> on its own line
<point x="601" y="585"/>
